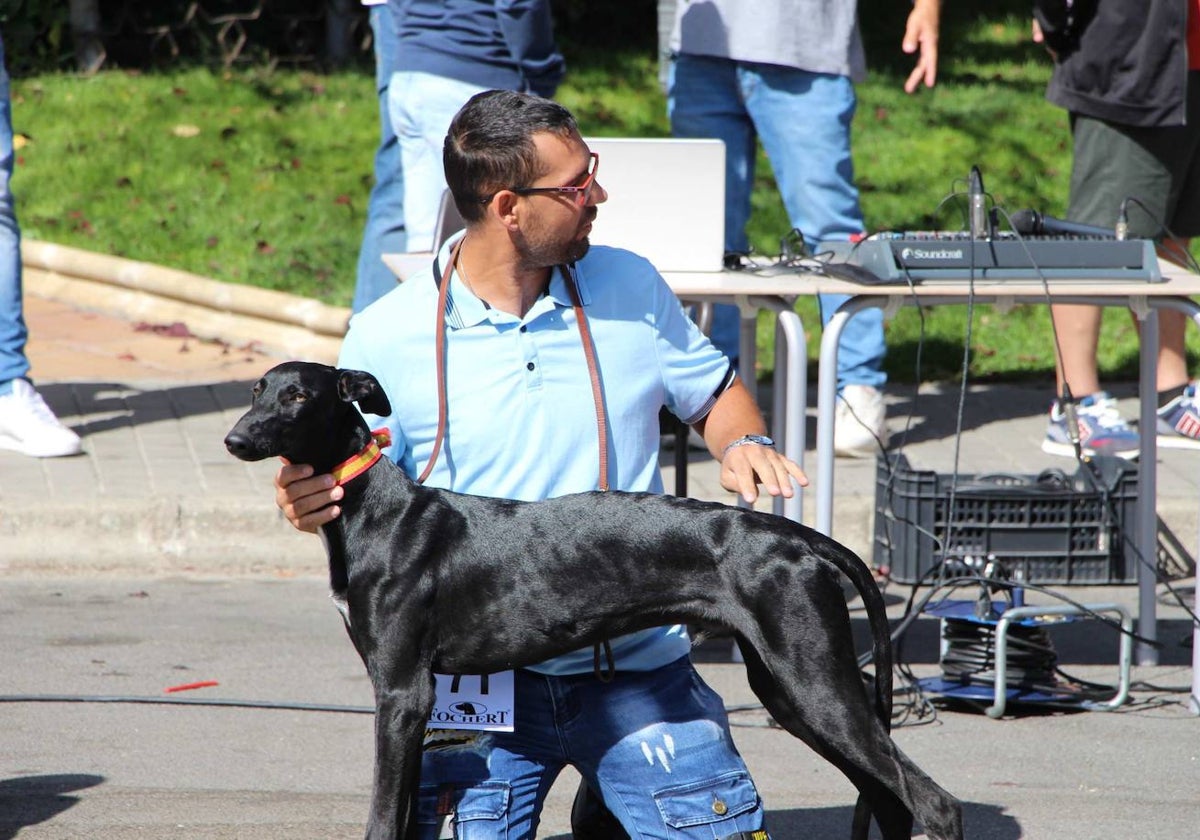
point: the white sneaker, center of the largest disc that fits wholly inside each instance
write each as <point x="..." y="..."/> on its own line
<point x="859" y="430"/>
<point x="29" y="426"/>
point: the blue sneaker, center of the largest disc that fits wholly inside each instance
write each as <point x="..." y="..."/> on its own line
<point x="1102" y="430"/>
<point x="1179" y="421"/>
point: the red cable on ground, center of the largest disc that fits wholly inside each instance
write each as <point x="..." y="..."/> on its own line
<point x="190" y="686"/>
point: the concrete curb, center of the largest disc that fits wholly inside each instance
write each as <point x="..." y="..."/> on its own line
<point x="277" y="323"/>
<point x="165" y="536"/>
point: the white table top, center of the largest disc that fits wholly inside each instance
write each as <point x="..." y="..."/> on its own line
<point x="789" y="284"/>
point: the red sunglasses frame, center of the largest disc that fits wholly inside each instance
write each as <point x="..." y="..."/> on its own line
<point x="582" y="191"/>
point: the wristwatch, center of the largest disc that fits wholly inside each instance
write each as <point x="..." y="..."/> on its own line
<point x="761" y="440"/>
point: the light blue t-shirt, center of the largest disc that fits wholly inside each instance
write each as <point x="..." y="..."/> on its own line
<point x="521" y="418"/>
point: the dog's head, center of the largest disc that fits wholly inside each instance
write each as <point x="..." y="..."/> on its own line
<point x="302" y="411"/>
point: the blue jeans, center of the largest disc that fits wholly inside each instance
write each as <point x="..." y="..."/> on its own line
<point x="803" y="120"/>
<point x="384" y="230"/>
<point x="421" y="107"/>
<point x="13" y="362"/>
<point x="655" y="744"/>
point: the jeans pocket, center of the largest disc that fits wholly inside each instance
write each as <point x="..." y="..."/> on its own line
<point x="707" y="802"/>
<point x="476" y="802"/>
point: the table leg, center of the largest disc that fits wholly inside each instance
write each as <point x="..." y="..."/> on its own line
<point x="790" y="402"/>
<point x="1146" y="533"/>
<point x="827" y="403"/>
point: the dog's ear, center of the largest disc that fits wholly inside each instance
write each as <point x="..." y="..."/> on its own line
<point x="363" y="388"/>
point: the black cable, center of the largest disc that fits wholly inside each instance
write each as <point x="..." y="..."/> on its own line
<point x="185" y="701"/>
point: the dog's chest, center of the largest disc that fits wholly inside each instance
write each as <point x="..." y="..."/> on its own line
<point x="341" y="604"/>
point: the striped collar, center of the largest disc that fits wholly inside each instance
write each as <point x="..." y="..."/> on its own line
<point x="352" y="468"/>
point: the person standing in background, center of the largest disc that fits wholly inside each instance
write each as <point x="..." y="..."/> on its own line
<point x="27" y="424"/>
<point x="783" y="71"/>
<point x="1129" y="76"/>
<point x="384" y="230"/>
<point x="448" y="51"/>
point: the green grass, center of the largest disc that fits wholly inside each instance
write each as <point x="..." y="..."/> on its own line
<point x="261" y="177"/>
<point x="248" y="177"/>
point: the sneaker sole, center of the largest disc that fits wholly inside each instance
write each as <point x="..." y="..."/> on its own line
<point x="1177" y="442"/>
<point x="1051" y="447"/>
<point x="16" y="446"/>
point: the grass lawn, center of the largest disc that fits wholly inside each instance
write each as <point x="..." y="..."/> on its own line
<point x="261" y="177"/>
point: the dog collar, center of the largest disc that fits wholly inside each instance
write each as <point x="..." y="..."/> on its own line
<point x="352" y="468"/>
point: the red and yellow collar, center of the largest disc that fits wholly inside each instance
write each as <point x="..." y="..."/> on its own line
<point x="352" y="468"/>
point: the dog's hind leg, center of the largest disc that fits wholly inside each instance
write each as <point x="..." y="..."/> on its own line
<point x="813" y="689"/>
<point x="842" y="730"/>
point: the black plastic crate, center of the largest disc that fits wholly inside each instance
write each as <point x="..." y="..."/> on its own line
<point x="1048" y="528"/>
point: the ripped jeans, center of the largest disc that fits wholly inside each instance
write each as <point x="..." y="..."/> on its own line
<point x="655" y="744"/>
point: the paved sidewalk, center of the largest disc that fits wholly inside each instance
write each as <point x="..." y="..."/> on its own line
<point x="155" y="490"/>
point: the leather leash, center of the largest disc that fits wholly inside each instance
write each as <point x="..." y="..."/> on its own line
<point x="589" y="354"/>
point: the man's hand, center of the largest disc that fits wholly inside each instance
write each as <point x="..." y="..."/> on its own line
<point x="307" y="501"/>
<point x="921" y="34"/>
<point x="745" y="467"/>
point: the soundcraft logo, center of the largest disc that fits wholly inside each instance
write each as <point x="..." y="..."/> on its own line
<point x="931" y="254"/>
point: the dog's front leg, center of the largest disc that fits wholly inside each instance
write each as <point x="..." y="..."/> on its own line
<point x="401" y="713"/>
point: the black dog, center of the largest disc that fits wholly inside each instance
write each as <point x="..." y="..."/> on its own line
<point x="568" y="573"/>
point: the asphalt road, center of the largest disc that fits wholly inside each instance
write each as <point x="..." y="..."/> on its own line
<point x="123" y="770"/>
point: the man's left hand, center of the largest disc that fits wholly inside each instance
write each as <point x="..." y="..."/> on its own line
<point x="745" y="467"/>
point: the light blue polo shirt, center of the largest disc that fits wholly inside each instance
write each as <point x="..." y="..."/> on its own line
<point x="521" y="419"/>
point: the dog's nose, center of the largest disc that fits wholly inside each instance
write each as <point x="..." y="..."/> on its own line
<point x="238" y="444"/>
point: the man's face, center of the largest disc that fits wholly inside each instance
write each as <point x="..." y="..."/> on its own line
<point x="556" y="224"/>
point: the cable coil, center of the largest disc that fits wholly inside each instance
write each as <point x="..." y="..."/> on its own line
<point x="969" y="651"/>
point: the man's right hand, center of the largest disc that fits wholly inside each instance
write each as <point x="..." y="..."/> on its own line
<point x="308" y="501"/>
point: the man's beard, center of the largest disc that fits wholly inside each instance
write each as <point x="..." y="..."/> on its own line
<point x="537" y="252"/>
<point x="576" y="249"/>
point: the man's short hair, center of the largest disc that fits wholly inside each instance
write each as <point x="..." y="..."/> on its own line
<point x="489" y="146"/>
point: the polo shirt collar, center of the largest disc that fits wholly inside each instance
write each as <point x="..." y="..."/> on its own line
<point x="464" y="309"/>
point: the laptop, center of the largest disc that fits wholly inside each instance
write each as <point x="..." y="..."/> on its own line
<point x="666" y="200"/>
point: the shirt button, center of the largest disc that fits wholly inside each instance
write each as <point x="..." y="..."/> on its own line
<point x="529" y="366"/>
<point x="719" y="807"/>
<point x="524" y="328"/>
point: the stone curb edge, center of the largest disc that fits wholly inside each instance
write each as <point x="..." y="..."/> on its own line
<point x="276" y="323"/>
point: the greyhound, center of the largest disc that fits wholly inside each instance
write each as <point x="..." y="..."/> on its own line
<point x="407" y="559"/>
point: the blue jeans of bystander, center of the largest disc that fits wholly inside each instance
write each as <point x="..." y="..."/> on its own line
<point x="384" y="231"/>
<point x="13" y="333"/>
<point x="422" y="106"/>
<point x="803" y="120"/>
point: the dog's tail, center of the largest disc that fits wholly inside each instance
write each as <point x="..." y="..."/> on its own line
<point x="852" y="566"/>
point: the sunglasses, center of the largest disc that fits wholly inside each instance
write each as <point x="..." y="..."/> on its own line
<point x="581" y="192"/>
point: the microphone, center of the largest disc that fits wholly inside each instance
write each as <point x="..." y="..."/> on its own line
<point x="1033" y="223"/>
<point x="977" y="206"/>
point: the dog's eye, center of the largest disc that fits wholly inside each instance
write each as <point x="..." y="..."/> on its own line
<point x="299" y="397"/>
